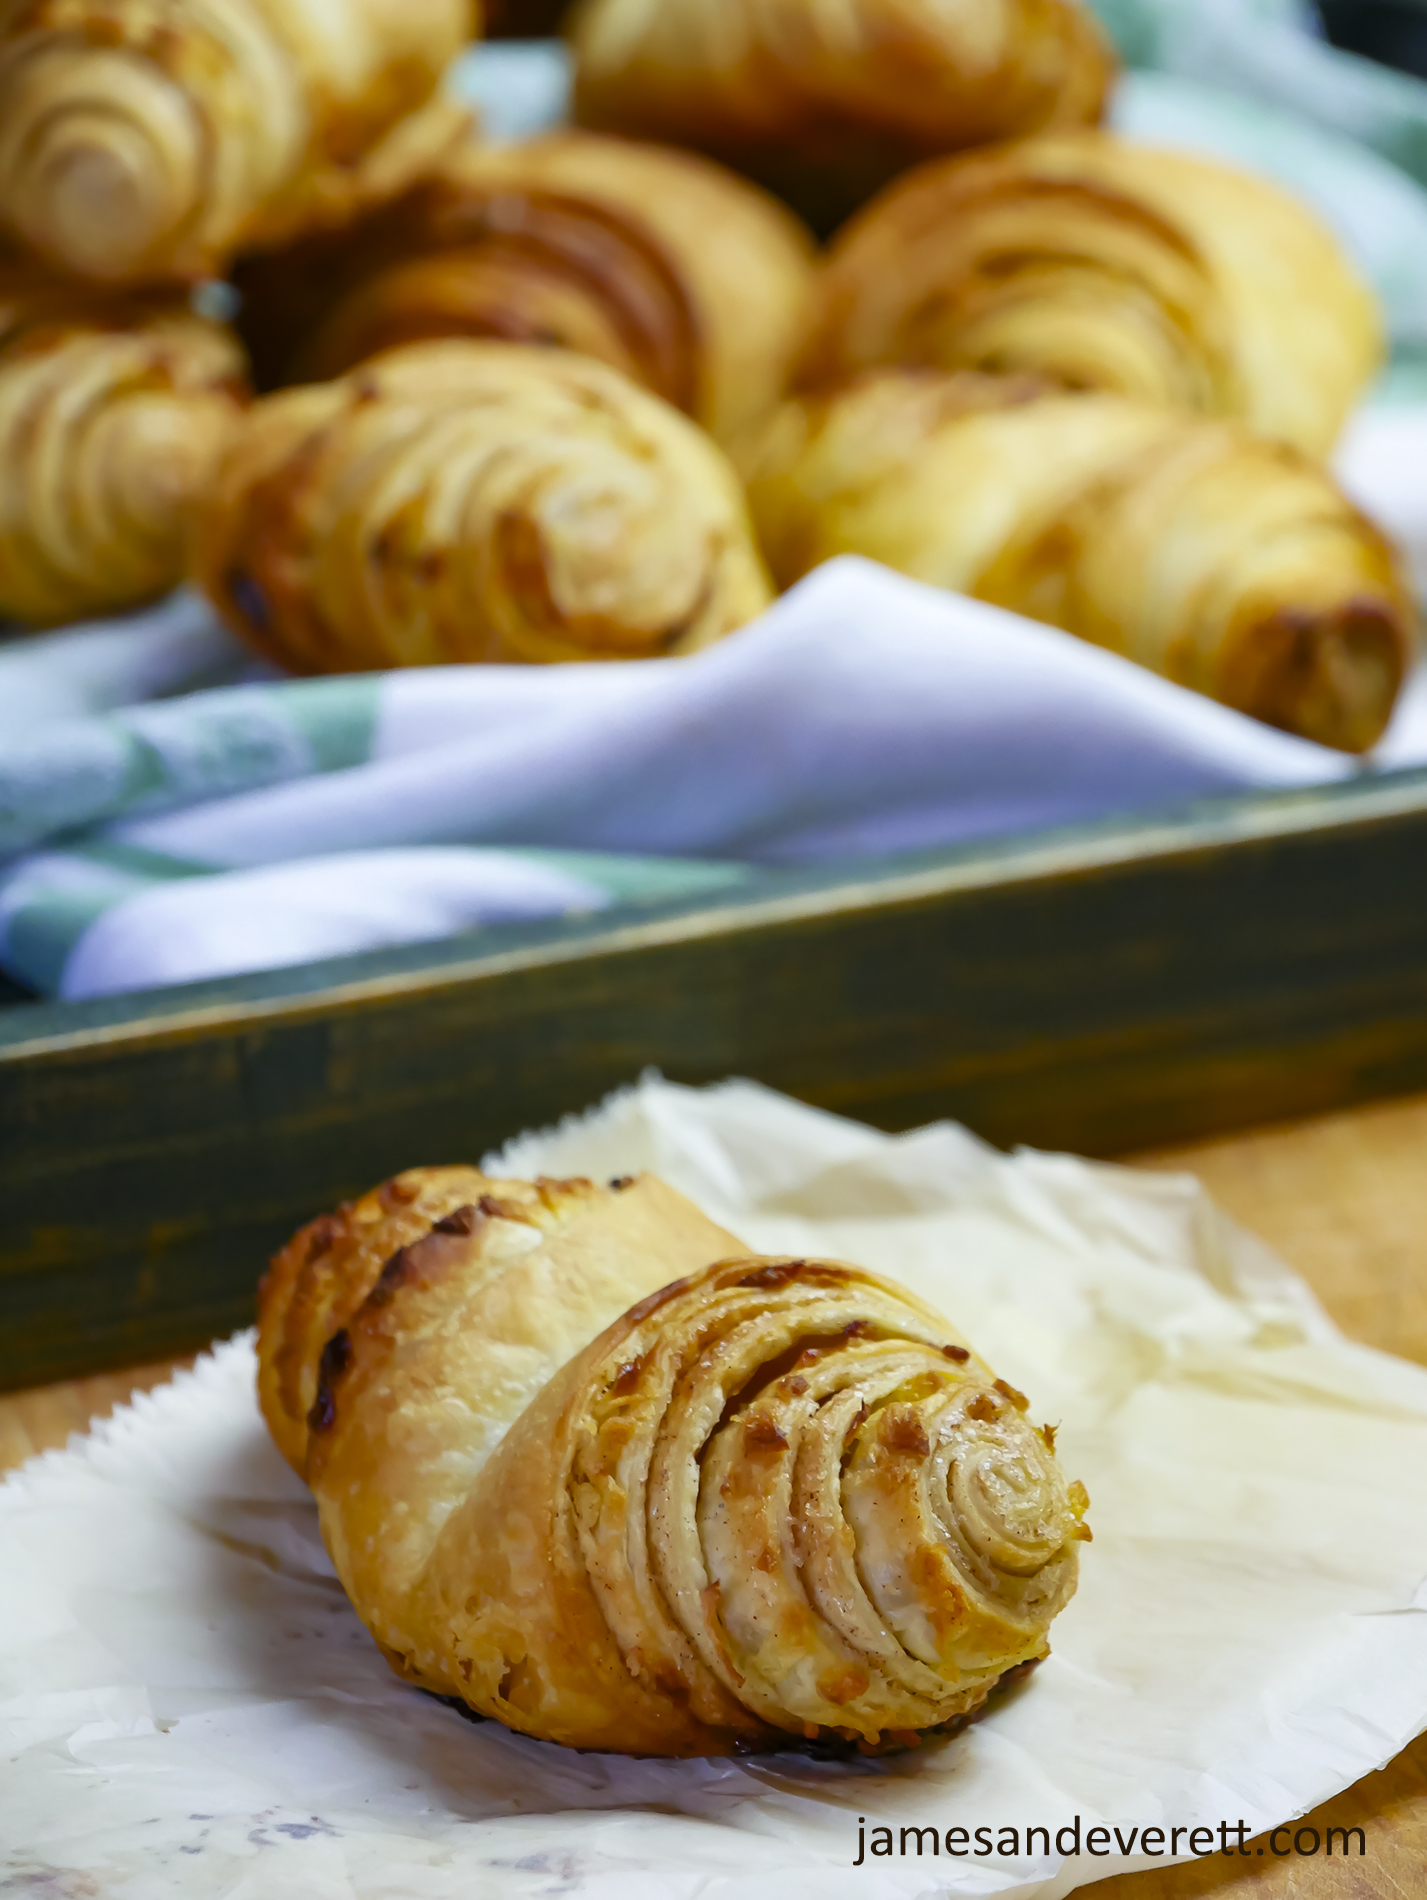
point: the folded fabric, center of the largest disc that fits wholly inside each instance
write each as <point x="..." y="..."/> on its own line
<point x="1379" y="462"/>
<point x="176" y="648"/>
<point x="865" y="714"/>
<point x="91" y="922"/>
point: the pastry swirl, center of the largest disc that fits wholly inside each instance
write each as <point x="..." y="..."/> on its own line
<point x="767" y="1503"/>
<point x="1224" y="561"/>
<point x="823" y="103"/>
<point x="461" y="501"/>
<point x="1096" y="264"/>
<point x="132" y="143"/>
<point x="669" y="269"/>
<point x="112" y="419"/>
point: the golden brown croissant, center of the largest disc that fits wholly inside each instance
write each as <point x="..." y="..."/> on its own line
<point x="476" y="501"/>
<point x="1222" y="560"/>
<point x="664" y="266"/>
<point x="825" y="103"/>
<point x="584" y="1464"/>
<point x="112" y="418"/>
<point x="1098" y="264"/>
<point x="145" y="139"/>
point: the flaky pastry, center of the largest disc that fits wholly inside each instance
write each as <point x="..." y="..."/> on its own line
<point x="149" y="139"/>
<point x="113" y="415"/>
<point x="824" y="103"/>
<point x="1097" y="264"/>
<point x="586" y="1466"/>
<point x="660" y="264"/>
<point x="1227" y="562"/>
<point x="459" y="501"/>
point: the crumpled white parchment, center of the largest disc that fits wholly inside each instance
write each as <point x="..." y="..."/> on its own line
<point x="189" y="1707"/>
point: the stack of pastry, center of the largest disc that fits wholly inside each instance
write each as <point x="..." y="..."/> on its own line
<point x="142" y="143"/>
<point x="518" y="381"/>
<point x="1172" y="348"/>
<point x="588" y="1467"/>
<point x="1091" y="382"/>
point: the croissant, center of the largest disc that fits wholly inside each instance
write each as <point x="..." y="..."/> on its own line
<point x="825" y="103"/>
<point x="1097" y="264"/>
<point x="147" y="139"/>
<point x="1220" y="559"/>
<point x="112" y="418"/>
<point x="681" y="275"/>
<point x="468" y="501"/>
<point x="586" y="1466"/>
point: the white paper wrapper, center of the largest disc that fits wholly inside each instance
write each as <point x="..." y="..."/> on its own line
<point x="190" y="1707"/>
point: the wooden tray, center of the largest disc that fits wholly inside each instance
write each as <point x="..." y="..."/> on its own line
<point x="1101" y="989"/>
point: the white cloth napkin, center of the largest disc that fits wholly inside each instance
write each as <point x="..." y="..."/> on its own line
<point x="190" y="1708"/>
<point x="864" y="714"/>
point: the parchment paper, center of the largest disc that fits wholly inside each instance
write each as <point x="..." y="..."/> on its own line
<point x="190" y="1707"/>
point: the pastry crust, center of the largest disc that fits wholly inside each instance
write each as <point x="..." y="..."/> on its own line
<point x="1224" y="561"/>
<point x="1096" y="264"/>
<point x="113" y="415"/>
<point x="824" y="103"/>
<point x="666" y="267"/>
<point x="761" y="1503"/>
<point x="149" y="139"/>
<point x="459" y="501"/>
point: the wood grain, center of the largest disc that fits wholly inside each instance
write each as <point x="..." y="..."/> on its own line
<point x="1344" y="1198"/>
<point x="46" y="1417"/>
<point x="1098" y="990"/>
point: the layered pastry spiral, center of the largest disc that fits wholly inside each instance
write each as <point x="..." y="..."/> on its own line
<point x="660" y="264"/>
<point x="148" y="139"/>
<point x="112" y="419"/>
<point x="459" y="501"/>
<point x="1097" y="264"/>
<point x="826" y="103"/>
<point x="1227" y="562"/>
<point x="587" y="1466"/>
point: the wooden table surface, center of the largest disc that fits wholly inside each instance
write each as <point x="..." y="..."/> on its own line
<point x="1344" y="1198"/>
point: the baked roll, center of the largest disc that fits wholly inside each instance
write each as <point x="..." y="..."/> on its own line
<point x="1224" y="561"/>
<point x="460" y="501"/>
<point x="148" y="139"/>
<point x="1097" y="264"/>
<point x="668" y="268"/>
<point x="586" y="1466"/>
<point x="112" y="418"/>
<point x="824" y="103"/>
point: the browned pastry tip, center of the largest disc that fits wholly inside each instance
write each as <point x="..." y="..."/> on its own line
<point x="586" y="1466"/>
<point x="130" y="147"/>
<point x="114" y="414"/>
<point x="1224" y="561"/>
<point x="662" y="265"/>
<point x="825" y="104"/>
<point x="460" y="501"/>
<point x="1094" y="263"/>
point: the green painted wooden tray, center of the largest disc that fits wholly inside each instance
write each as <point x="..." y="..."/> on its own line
<point x="1100" y="989"/>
